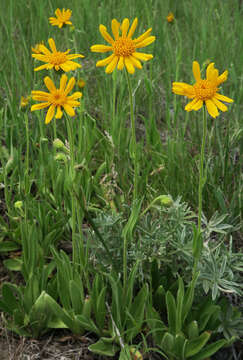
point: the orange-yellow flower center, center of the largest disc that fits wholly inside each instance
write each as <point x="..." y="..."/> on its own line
<point x="58" y="98"/>
<point x="57" y="58"/>
<point x="205" y="89"/>
<point x="123" y="47"/>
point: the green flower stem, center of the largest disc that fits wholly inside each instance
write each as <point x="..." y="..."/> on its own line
<point x="202" y="180"/>
<point x="72" y="177"/>
<point x="201" y="170"/>
<point x="134" y="143"/>
<point x="133" y="154"/>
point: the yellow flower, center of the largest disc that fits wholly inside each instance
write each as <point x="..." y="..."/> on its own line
<point x="24" y="101"/>
<point x="170" y="17"/>
<point x="36" y="49"/>
<point x="81" y="83"/>
<point x="56" y="59"/>
<point x="62" y="18"/>
<point x="123" y="47"/>
<point x="204" y="90"/>
<point x="57" y="98"/>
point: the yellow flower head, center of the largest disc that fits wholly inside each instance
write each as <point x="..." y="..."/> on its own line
<point x="56" y="59"/>
<point x="123" y="47"/>
<point x="204" y="90"/>
<point x="57" y="98"/>
<point x="62" y="18"/>
<point x="170" y="17"/>
<point x="81" y="83"/>
<point x="24" y="101"/>
<point x="36" y="48"/>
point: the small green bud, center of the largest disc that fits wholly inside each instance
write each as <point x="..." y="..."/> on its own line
<point x="18" y="205"/>
<point x="166" y="200"/>
<point x="61" y="157"/>
<point x="58" y="144"/>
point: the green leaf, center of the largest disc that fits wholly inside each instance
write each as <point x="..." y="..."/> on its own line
<point x="6" y="246"/>
<point x="168" y="343"/>
<point x="156" y="325"/>
<point x="101" y="309"/>
<point x="171" y="312"/>
<point x="180" y="346"/>
<point x="209" y="350"/>
<point x="192" y="330"/>
<point x="9" y="299"/>
<point x="13" y="264"/>
<point x="76" y="295"/>
<point x="104" y="348"/>
<point x="195" y="345"/>
<point x="179" y="308"/>
<point x="136" y="318"/>
<point x="189" y="297"/>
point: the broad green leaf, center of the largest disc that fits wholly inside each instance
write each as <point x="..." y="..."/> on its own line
<point x="179" y="303"/>
<point x="192" y="330"/>
<point x="9" y="299"/>
<point x="101" y="309"/>
<point x="180" y="346"/>
<point x="171" y="312"/>
<point x="6" y="246"/>
<point x="189" y="297"/>
<point x="168" y="343"/>
<point x="104" y="348"/>
<point x="195" y="345"/>
<point x="209" y="350"/>
<point x="136" y="318"/>
<point x="156" y="325"/>
<point x="76" y="294"/>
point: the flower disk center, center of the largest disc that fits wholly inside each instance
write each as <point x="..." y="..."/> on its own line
<point x="205" y="89"/>
<point x="123" y="47"/>
<point x="58" y="98"/>
<point x="57" y="58"/>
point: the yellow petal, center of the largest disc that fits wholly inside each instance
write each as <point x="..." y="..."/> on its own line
<point x="50" y="114"/>
<point x="195" y="104"/>
<point x="75" y="56"/>
<point x="132" y="28"/>
<point x="143" y="36"/>
<point x="39" y="106"/>
<point x="41" y="57"/>
<point x="120" y="64"/>
<point x="100" y="48"/>
<point x="44" y="49"/>
<point x="149" y="40"/>
<point x="196" y="71"/>
<point x="40" y="93"/>
<point x="212" y="108"/>
<point x="59" y="112"/>
<point x="219" y="104"/>
<point x="135" y="62"/>
<point x="73" y="103"/>
<point x="69" y="110"/>
<point x="70" y="86"/>
<point x="105" y="34"/>
<point x="105" y="61"/>
<point x="75" y="96"/>
<point x="124" y="27"/>
<point x="110" y="68"/>
<point x="142" y="56"/>
<point x="129" y="65"/>
<point x="45" y="66"/>
<point x="63" y="82"/>
<point x="52" y="45"/>
<point x="209" y="71"/>
<point x="222" y="78"/>
<point x="115" y="25"/>
<point x="49" y="84"/>
<point x="223" y="98"/>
